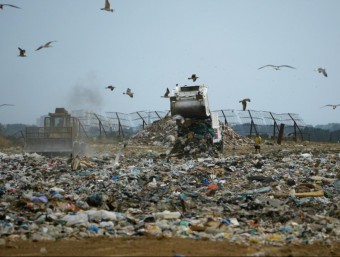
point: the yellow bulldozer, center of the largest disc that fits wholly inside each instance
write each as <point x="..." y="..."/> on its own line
<point x="60" y="135"/>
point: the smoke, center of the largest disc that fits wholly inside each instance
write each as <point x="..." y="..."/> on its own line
<point x="86" y="94"/>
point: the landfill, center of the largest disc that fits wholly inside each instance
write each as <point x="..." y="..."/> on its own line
<point x="285" y="195"/>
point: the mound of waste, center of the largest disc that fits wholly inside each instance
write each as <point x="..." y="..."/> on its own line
<point x="191" y="140"/>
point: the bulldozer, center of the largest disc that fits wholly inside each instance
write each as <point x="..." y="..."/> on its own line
<point x="191" y="104"/>
<point x="60" y="135"/>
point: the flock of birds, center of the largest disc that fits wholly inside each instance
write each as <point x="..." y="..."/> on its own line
<point x="127" y="92"/>
<point x="245" y="100"/>
<point x="22" y="52"/>
<point x="278" y="67"/>
<point x="107" y="7"/>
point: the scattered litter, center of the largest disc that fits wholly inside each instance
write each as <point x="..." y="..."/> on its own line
<point x="277" y="197"/>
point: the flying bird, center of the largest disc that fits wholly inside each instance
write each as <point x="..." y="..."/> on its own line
<point x="331" y="105"/>
<point x="107" y="6"/>
<point x="22" y="52"/>
<point x="6" y="105"/>
<point x="323" y="71"/>
<point x="128" y="92"/>
<point x="48" y="44"/>
<point x="277" y="67"/>
<point x="166" y="94"/>
<point x="110" y="87"/>
<point x="11" y="5"/>
<point x="244" y="103"/>
<point x="193" y="77"/>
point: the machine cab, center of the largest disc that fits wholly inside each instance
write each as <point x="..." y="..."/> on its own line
<point x="60" y="119"/>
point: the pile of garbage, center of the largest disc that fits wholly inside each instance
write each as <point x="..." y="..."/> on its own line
<point x="277" y="197"/>
<point x="232" y="139"/>
<point x="192" y="140"/>
<point x="161" y="132"/>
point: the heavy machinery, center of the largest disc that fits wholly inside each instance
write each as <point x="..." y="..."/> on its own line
<point x="60" y="135"/>
<point x="189" y="105"/>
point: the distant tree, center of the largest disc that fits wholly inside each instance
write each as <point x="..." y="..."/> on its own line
<point x="329" y="126"/>
<point x="14" y="130"/>
<point x="321" y="135"/>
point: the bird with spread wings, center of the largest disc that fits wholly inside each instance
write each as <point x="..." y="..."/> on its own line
<point x="322" y="71"/>
<point x="48" y="44"/>
<point x="128" y="92"/>
<point x="244" y="103"/>
<point x="193" y="77"/>
<point x="6" y="105"/>
<point x="22" y="52"/>
<point x="11" y="5"/>
<point x="276" y="67"/>
<point x="331" y="105"/>
<point x="166" y="94"/>
<point x="111" y="87"/>
<point x="107" y="7"/>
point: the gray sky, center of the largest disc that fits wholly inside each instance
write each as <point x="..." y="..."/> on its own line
<point x="149" y="45"/>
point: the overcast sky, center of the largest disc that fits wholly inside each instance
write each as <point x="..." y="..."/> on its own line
<point x="149" y="45"/>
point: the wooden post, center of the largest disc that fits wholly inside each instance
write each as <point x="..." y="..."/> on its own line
<point x="279" y="137"/>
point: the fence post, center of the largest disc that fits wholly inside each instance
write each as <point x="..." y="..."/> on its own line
<point x="252" y="124"/>
<point x="225" y="118"/>
<point x="120" y="129"/>
<point x="101" y="127"/>
<point x="144" y="123"/>
<point x="279" y="137"/>
<point x="296" y="126"/>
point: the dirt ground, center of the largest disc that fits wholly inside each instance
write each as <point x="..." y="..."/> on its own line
<point x="159" y="247"/>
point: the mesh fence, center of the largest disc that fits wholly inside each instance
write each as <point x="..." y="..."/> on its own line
<point x="243" y="122"/>
<point x="263" y="122"/>
<point x="260" y="118"/>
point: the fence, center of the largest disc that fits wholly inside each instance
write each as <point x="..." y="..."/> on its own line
<point x="262" y="122"/>
<point x="243" y="122"/>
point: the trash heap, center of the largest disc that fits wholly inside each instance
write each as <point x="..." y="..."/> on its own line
<point x="193" y="140"/>
<point x="232" y="139"/>
<point x="280" y="197"/>
<point x="162" y="132"/>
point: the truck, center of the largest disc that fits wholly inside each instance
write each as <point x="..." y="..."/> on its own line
<point x="60" y="135"/>
<point x="191" y="104"/>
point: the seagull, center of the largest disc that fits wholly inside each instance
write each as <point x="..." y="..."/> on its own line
<point x="110" y="87"/>
<point x="11" y="5"/>
<point x="107" y="6"/>
<point x="331" y="105"/>
<point x="166" y="94"/>
<point x="277" y="67"/>
<point x="48" y="44"/>
<point x="6" y="105"/>
<point x="244" y="103"/>
<point x="193" y="77"/>
<point x="22" y="52"/>
<point x="323" y="71"/>
<point x="128" y="92"/>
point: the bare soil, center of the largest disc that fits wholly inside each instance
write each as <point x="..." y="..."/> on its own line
<point x="146" y="246"/>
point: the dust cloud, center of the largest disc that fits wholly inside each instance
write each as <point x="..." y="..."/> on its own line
<point x="85" y="95"/>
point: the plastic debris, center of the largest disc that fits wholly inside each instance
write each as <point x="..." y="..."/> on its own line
<point x="281" y="196"/>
